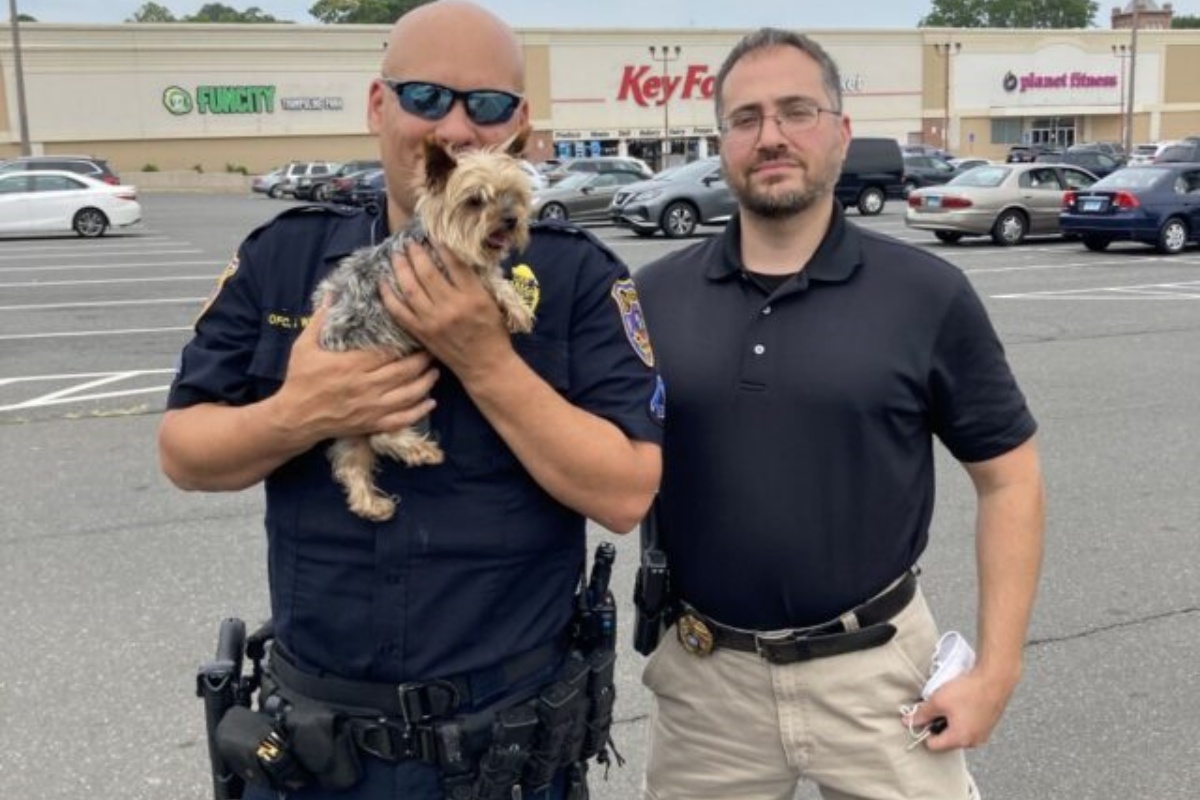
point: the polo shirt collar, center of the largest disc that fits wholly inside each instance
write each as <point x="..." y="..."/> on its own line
<point x="835" y="260"/>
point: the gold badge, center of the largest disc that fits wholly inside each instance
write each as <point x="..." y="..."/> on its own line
<point x="694" y="635"/>
<point x="526" y="284"/>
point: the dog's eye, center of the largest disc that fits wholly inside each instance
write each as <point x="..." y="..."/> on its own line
<point x="475" y="201"/>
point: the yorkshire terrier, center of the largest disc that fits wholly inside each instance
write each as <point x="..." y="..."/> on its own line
<point x="475" y="204"/>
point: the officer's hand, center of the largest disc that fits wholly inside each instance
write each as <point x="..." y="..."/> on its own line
<point x="450" y="312"/>
<point x="328" y="394"/>
<point x="971" y="705"/>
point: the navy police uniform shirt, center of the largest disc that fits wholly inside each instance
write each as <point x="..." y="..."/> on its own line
<point x="479" y="563"/>
<point x="798" y="473"/>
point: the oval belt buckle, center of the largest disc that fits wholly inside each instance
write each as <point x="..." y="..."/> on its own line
<point x="695" y="636"/>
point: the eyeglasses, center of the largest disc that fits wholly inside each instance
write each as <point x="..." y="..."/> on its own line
<point x="433" y="101"/>
<point x="742" y="127"/>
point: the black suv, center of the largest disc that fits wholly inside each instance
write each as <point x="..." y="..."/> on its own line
<point x="82" y="165"/>
<point x="321" y="187"/>
<point x="1093" y="160"/>
<point x="921" y="171"/>
<point x="873" y="172"/>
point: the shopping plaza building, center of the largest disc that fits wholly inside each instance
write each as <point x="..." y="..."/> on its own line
<point x="215" y="97"/>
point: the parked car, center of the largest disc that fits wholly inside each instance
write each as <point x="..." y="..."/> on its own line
<point x="295" y="170"/>
<point x="676" y="201"/>
<point x="1028" y="153"/>
<point x="1186" y="151"/>
<point x="316" y="185"/>
<point x="1145" y="153"/>
<point x="924" y="150"/>
<point x="634" y="166"/>
<point x="963" y="164"/>
<point x="1006" y="202"/>
<point x="922" y="171"/>
<point x="1158" y="204"/>
<point x="58" y="200"/>
<point x="369" y="190"/>
<point x="873" y="172"/>
<point x="581" y="196"/>
<point x="89" y="166"/>
<point x="537" y="179"/>
<point x="266" y="183"/>
<point x="341" y="188"/>
<point x="1094" y="161"/>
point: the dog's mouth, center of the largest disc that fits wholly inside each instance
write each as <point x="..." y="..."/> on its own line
<point x="499" y="239"/>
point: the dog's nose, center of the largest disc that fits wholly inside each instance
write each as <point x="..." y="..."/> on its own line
<point x="510" y="223"/>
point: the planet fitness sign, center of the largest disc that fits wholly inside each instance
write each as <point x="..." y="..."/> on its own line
<point x="1065" y="80"/>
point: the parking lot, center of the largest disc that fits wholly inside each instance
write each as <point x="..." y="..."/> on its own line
<point x="112" y="582"/>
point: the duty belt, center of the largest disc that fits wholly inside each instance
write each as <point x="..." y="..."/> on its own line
<point x="861" y="628"/>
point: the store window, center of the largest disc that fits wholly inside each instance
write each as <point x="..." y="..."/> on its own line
<point x="1058" y="131"/>
<point x="1006" y="131"/>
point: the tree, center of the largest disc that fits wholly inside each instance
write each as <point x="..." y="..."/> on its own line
<point x="1010" y="14"/>
<point x="152" y="12"/>
<point x="25" y="18"/>
<point x="1186" y="21"/>
<point x="361" y="12"/>
<point x="219" y="12"/>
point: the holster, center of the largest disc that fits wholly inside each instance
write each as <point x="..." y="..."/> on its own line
<point x="652" y="601"/>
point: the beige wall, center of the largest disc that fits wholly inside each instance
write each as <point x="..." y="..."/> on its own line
<point x="1182" y="69"/>
<point x="1179" y="125"/>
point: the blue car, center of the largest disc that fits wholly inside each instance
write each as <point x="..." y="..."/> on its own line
<point x="1158" y="204"/>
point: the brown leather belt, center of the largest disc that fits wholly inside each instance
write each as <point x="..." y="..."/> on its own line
<point x="861" y="628"/>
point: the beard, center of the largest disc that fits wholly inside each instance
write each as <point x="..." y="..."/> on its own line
<point x="770" y="203"/>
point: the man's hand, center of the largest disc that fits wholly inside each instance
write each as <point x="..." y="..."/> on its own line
<point x="329" y="394"/>
<point x="971" y="705"/>
<point x="450" y="312"/>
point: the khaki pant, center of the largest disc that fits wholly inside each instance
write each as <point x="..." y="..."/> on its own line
<point x="733" y="726"/>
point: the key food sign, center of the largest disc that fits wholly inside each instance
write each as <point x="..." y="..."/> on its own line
<point x="246" y="99"/>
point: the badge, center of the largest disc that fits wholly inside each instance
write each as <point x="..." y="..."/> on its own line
<point x="694" y="635"/>
<point x="625" y="293"/>
<point x="526" y="284"/>
<point x="225" y="275"/>
<point x="658" y="402"/>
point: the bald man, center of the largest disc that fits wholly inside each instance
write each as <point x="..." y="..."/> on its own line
<point x="424" y="634"/>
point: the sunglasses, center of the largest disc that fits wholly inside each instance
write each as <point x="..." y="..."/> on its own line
<point x="432" y="101"/>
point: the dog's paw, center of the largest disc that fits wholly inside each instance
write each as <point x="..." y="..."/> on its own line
<point x="423" y="453"/>
<point x="372" y="506"/>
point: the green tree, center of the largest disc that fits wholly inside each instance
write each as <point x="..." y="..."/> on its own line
<point x="152" y="12"/>
<point x="361" y="12"/>
<point x="1010" y="14"/>
<point x="219" y="12"/>
<point x="1186" y="21"/>
<point x="25" y="18"/>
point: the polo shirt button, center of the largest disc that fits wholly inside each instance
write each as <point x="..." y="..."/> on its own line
<point x="767" y="310"/>
<point x="759" y="349"/>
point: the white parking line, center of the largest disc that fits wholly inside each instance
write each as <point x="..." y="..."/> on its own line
<point x="27" y="256"/>
<point x="104" y="282"/>
<point x="72" y="394"/>
<point x="165" y="301"/>
<point x="97" y="246"/>
<point x="12" y="337"/>
<point x="57" y="267"/>
<point x="1146" y="291"/>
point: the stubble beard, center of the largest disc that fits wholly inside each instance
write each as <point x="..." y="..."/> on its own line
<point x="768" y="204"/>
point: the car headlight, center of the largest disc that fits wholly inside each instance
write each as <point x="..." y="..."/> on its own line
<point x="649" y="194"/>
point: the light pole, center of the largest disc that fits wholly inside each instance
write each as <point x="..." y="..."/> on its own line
<point x="1122" y="52"/>
<point x="947" y="50"/>
<point x="666" y="56"/>
<point x="1127" y="143"/>
<point x="19" y="76"/>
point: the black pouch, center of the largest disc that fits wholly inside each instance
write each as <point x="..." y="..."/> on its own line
<point x="250" y="746"/>
<point x="323" y="743"/>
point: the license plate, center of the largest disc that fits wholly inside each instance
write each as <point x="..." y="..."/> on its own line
<point x="1091" y="204"/>
<point x="933" y="201"/>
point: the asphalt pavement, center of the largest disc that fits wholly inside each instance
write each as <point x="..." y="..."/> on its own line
<point x="112" y="582"/>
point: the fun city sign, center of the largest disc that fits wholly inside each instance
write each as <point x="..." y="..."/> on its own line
<point x="241" y="100"/>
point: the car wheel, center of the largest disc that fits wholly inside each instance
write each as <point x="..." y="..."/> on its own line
<point x="90" y="222"/>
<point x="553" y="211"/>
<point x="871" y="201"/>
<point x="1097" y="244"/>
<point x="679" y="220"/>
<point x="322" y="192"/>
<point x="949" y="237"/>
<point x="1172" y="237"/>
<point x="274" y="192"/>
<point x="645" y="233"/>
<point x="1010" y="228"/>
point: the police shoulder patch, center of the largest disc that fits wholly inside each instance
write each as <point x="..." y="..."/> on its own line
<point x="225" y="275"/>
<point x="625" y="294"/>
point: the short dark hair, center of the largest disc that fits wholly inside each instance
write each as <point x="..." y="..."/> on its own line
<point x="764" y="38"/>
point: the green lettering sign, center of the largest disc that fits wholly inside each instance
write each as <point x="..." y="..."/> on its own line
<point x="235" y="99"/>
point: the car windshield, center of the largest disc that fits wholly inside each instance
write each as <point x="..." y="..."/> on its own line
<point x="575" y="180"/>
<point x="686" y="172"/>
<point x="1132" y="178"/>
<point x="981" y="176"/>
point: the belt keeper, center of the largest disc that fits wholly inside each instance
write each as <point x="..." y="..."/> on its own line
<point x="849" y="621"/>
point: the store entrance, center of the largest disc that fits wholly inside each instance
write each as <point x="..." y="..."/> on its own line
<point x="1059" y="131"/>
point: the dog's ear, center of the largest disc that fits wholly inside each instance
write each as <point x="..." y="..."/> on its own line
<point x="439" y="163"/>
<point x="515" y="146"/>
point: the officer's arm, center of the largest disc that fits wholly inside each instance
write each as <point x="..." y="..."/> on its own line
<point x="585" y="462"/>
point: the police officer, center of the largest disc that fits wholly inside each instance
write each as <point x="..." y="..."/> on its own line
<point x="460" y="602"/>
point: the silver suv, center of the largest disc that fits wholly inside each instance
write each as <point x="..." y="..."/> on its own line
<point x="296" y="170"/>
<point x="676" y="201"/>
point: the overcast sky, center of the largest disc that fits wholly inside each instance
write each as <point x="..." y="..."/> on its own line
<point x="587" y="13"/>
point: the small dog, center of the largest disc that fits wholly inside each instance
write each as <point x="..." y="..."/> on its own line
<point x="476" y="205"/>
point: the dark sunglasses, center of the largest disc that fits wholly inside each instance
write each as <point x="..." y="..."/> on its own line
<point x="432" y="101"/>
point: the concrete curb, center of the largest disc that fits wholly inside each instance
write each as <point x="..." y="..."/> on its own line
<point x="186" y="180"/>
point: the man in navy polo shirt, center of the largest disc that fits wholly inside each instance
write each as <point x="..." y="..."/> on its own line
<point x="808" y="367"/>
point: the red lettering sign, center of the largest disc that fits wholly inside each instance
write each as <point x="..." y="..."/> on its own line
<point x="644" y="88"/>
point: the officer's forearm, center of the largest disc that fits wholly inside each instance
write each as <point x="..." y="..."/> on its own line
<point x="583" y="461"/>
<point x="213" y="447"/>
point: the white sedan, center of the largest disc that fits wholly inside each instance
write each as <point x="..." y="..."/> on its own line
<point x="51" y="200"/>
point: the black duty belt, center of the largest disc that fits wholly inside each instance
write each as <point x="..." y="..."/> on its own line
<point x="861" y="628"/>
<point x="418" y="701"/>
